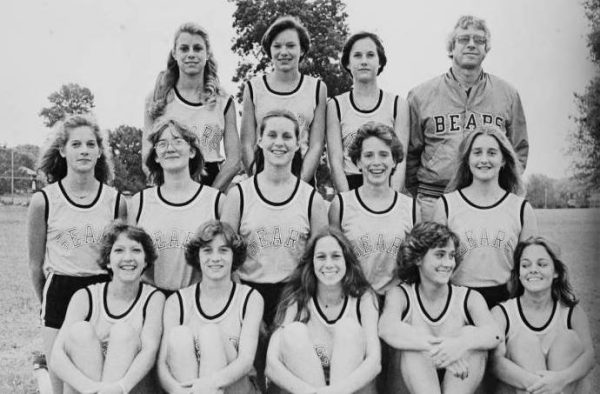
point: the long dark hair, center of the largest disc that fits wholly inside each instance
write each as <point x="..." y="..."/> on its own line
<point x="561" y="288"/>
<point x="303" y="282"/>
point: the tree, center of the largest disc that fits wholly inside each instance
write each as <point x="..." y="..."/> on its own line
<point x="126" y="146"/>
<point x="324" y="19"/>
<point x="68" y="100"/>
<point x="585" y="141"/>
<point x="25" y="159"/>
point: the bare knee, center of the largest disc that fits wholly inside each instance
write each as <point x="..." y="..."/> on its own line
<point x="80" y="334"/>
<point x="567" y="346"/>
<point x="348" y="331"/>
<point x="123" y="333"/>
<point x="180" y="339"/>
<point x="293" y="338"/>
<point x="526" y="351"/>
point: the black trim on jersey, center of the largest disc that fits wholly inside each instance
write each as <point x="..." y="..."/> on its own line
<point x="179" y="204"/>
<point x="229" y="101"/>
<point x="219" y="314"/>
<point x="481" y="206"/>
<point x="505" y="317"/>
<point x="246" y="302"/>
<point x="91" y="304"/>
<point x="147" y="302"/>
<point x="105" y="301"/>
<point x="46" y="207"/>
<point x="283" y="93"/>
<point x="341" y="207"/>
<point x="276" y="204"/>
<point x="139" y="213"/>
<point x="117" y="203"/>
<point x="434" y="320"/>
<point x="241" y="200"/>
<point x="337" y="109"/>
<point x="317" y="92"/>
<point x="395" y="107"/>
<point x="386" y="210"/>
<point x="219" y="194"/>
<point x="180" y="97"/>
<point x="522" y="211"/>
<point x="310" y="203"/>
<point x="320" y="311"/>
<point x="64" y="192"/>
<point x="569" y="317"/>
<point x="358" y="315"/>
<point x="366" y="111"/>
<point x="251" y="91"/>
<point x="529" y="325"/>
<point x="414" y="211"/>
<point x="466" y="308"/>
<point x="405" y="311"/>
<point x="445" y="206"/>
<point x="181" y="309"/>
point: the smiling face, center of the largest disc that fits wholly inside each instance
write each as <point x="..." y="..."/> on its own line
<point x="216" y="259"/>
<point x="364" y="61"/>
<point x="278" y="141"/>
<point x="81" y="151"/>
<point x="438" y="264"/>
<point x="172" y="150"/>
<point x="536" y="269"/>
<point x="469" y="48"/>
<point x="329" y="263"/>
<point x="286" y="50"/>
<point x="127" y="259"/>
<point x="485" y="159"/>
<point x="376" y="161"/>
<point x="190" y="53"/>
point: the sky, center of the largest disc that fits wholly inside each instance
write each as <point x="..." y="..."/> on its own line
<point x="117" y="47"/>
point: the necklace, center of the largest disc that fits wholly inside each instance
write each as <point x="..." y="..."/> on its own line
<point x="335" y="302"/>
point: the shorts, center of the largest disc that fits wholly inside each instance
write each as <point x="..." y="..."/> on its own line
<point x="271" y="293"/>
<point x="354" y="181"/>
<point x="212" y="170"/>
<point x="494" y="295"/>
<point x="57" y="293"/>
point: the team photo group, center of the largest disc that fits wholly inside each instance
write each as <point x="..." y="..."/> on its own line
<point x="423" y="271"/>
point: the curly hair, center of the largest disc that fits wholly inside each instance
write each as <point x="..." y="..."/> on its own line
<point x="384" y="133"/>
<point x="196" y="163"/>
<point x="54" y="165"/>
<point x="206" y="233"/>
<point x="345" y="60"/>
<point x="561" y="288"/>
<point x="134" y="233"/>
<point x="423" y="237"/>
<point x="282" y="23"/>
<point x="167" y="79"/>
<point x="465" y="22"/>
<point x="509" y="177"/>
<point x="303" y="282"/>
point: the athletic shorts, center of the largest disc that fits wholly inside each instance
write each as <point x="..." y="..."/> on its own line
<point x="212" y="170"/>
<point x="57" y="293"/>
<point x="354" y="181"/>
<point x="271" y="293"/>
<point x="493" y="295"/>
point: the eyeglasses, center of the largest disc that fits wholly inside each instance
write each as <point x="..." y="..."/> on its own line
<point x="466" y="38"/>
<point x="176" y="143"/>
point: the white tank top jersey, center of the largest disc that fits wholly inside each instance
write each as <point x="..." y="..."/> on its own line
<point x="275" y="233"/>
<point x="171" y="227"/>
<point x="488" y="237"/>
<point x="351" y="118"/>
<point x="102" y="319"/>
<point x="302" y="101"/>
<point x="516" y="322"/>
<point x="376" y="235"/>
<point x="229" y="319"/>
<point x="74" y="231"/>
<point x="207" y="121"/>
<point x="454" y="316"/>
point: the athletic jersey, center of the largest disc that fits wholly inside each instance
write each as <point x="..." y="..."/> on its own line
<point x="229" y="320"/>
<point x="488" y="237"/>
<point x="454" y="316"/>
<point x="442" y="113"/>
<point x="275" y="233"/>
<point x="74" y="231"/>
<point x="102" y="319"/>
<point x="302" y="101"/>
<point x="206" y="121"/>
<point x="376" y="235"/>
<point x="516" y="322"/>
<point x="351" y="118"/>
<point x="171" y="227"/>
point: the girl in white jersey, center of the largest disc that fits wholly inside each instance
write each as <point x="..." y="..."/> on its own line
<point x="171" y="211"/>
<point x="363" y="57"/>
<point x="189" y="91"/>
<point x="548" y="346"/>
<point x="327" y="341"/>
<point x="442" y="330"/>
<point x="211" y="327"/>
<point x="66" y="221"/>
<point x="111" y="334"/>
<point x="484" y="208"/>
<point x="374" y="216"/>
<point x="286" y="43"/>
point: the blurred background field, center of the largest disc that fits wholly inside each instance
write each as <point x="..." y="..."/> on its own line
<point x="575" y="230"/>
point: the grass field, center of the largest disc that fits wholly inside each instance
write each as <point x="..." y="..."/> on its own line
<point x="576" y="231"/>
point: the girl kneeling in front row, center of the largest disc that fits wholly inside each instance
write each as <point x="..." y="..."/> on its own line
<point x="548" y="345"/>
<point x="328" y="340"/>
<point x="211" y="327"/>
<point x="443" y="330"/>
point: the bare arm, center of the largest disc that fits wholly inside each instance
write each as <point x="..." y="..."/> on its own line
<point x="231" y="209"/>
<point x="170" y="320"/>
<point x="334" y="214"/>
<point x="530" y="226"/>
<point x="335" y="148"/>
<point x="36" y="241"/>
<point x="318" y="217"/>
<point x="401" y="127"/>
<point x="248" y="130"/>
<point x="231" y="141"/>
<point x="312" y="157"/>
<point x="148" y="123"/>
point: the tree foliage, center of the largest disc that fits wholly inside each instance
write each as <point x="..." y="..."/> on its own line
<point x="325" y="21"/>
<point x="25" y="157"/>
<point x="68" y="100"/>
<point x="126" y="146"/>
